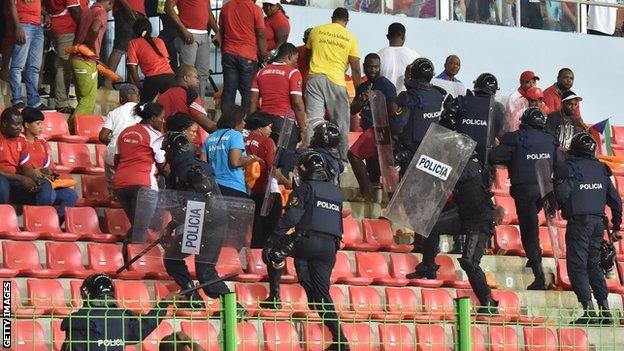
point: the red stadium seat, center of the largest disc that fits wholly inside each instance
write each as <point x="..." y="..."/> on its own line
<point x="23" y="257"/>
<point x="573" y="339"/>
<point x="89" y="127"/>
<point x="507" y="202"/>
<point x="360" y="336"/>
<point x="280" y="336"/>
<point x="28" y="335"/>
<point x="229" y="262"/>
<point x="107" y="258"/>
<point x="83" y="221"/>
<point x="58" y="336"/>
<point x="316" y="336"/>
<point x="9" y="228"/>
<point x="44" y="221"/>
<point x="100" y="150"/>
<point x="342" y="273"/>
<point x="76" y="158"/>
<point x="151" y="264"/>
<point x="54" y="128"/>
<point x="545" y="244"/>
<point x="117" y="222"/>
<point x="539" y="339"/>
<point x="352" y="237"/>
<point x="76" y="295"/>
<point x="203" y="332"/>
<point x="213" y="306"/>
<point x="21" y="306"/>
<point x="249" y="295"/>
<point x="366" y="301"/>
<point x="564" y="280"/>
<point x="438" y="304"/>
<point x="502" y="182"/>
<point x="295" y="301"/>
<point x="380" y="231"/>
<point x="431" y="338"/>
<point x="395" y="337"/>
<point x="403" y="264"/>
<point x="503" y="338"/>
<point x="133" y="295"/>
<point x="618" y="137"/>
<point x="478" y="340"/>
<point x="342" y="304"/>
<point x="404" y="303"/>
<point x="374" y="265"/>
<point x="507" y="241"/>
<point x="152" y="341"/>
<point x="508" y="308"/>
<point x="94" y="191"/>
<point x="447" y="273"/>
<point x="67" y="258"/>
<point x="257" y="270"/>
<point x="247" y="337"/>
<point x="48" y="295"/>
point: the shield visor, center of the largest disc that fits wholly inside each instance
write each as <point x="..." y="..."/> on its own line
<point x="383" y="141"/>
<point x="282" y="143"/>
<point x="430" y="179"/>
<point x="544" y="179"/>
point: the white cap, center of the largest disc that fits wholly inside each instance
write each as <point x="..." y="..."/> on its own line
<point x="272" y="2"/>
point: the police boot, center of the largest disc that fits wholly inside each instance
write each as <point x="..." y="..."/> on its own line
<point x="424" y="271"/>
<point x="589" y="316"/>
<point x="194" y="301"/>
<point x="490" y="307"/>
<point x="540" y="281"/>
<point x="272" y="302"/>
<point x="342" y="346"/>
<point x="605" y="316"/>
<point x="458" y="242"/>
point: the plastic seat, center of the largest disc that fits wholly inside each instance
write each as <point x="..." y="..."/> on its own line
<point x="295" y="300"/>
<point x="366" y="301"/>
<point x="342" y="305"/>
<point x="23" y="257"/>
<point x="573" y="339"/>
<point x="438" y="304"/>
<point x="503" y="338"/>
<point x="44" y="221"/>
<point x="249" y="295"/>
<point x="9" y="227"/>
<point x="76" y="294"/>
<point x="54" y="127"/>
<point x="280" y="336"/>
<point x="151" y="264"/>
<point x="28" y="335"/>
<point x="213" y="306"/>
<point x="507" y="241"/>
<point x="117" y="222"/>
<point x="360" y="336"/>
<point x="247" y="337"/>
<point x="395" y="337"/>
<point x="477" y="338"/>
<point x="618" y="137"/>
<point x="431" y="338"/>
<point x="100" y="150"/>
<point x="509" y="309"/>
<point x="76" y="158"/>
<point x="374" y="265"/>
<point x="94" y="191"/>
<point x="352" y="238"/>
<point x="539" y="339"/>
<point x="342" y="274"/>
<point x="256" y="267"/>
<point x="502" y="183"/>
<point x="133" y="295"/>
<point x="402" y="264"/>
<point x="545" y="244"/>
<point x="203" y="332"/>
<point x="380" y="231"/>
<point x="21" y="307"/>
<point x="507" y="202"/>
<point x="107" y="258"/>
<point x="229" y="262"/>
<point x="84" y="222"/>
<point x="316" y="336"/>
<point x="403" y="302"/>
<point x="562" y="275"/>
<point x="48" y="295"/>
<point x="89" y="127"/>
<point x="67" y="258"/>
<point x="447" y="273"/>
<point x="58" y="336"/>
<point x="152" y="340"/>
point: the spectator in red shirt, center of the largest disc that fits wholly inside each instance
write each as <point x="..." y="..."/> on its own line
<point x="41" y="160"/>
<point x="276" y="25"/>
<point x="125" y="12"/>
<point x="19" y="183"/>
<point x="303" y="59"/>
<point x="552" y="95"/>
<point x="535" y="98"/>
<point x="139" y="158"/>
<point x="244" y="46"/>
<point x="150" y="54"/>
<point x="194" y="22"/>
<point x="64" y="17"/>
<point x="278" y="87"/>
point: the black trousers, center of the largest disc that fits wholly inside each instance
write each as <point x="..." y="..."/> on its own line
<point x="448" y="223"/>
<point x="477" y="235"/>
<point x="178" y="270"/>
<point x="315" y="257"/>
<point x="155" y="85"/>
<point x="527" y="198"/>
<point x="262" y="229"/>
<point x="140" y="216"/>
<point x="584" y="235"/>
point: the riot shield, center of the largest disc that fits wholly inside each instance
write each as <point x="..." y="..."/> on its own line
<point x="544" y="179"/>
<point x="383" y="141"/>
<point x="282" y="144"/>
<point x="429" y="179"/>
<point x="565" y="132"/>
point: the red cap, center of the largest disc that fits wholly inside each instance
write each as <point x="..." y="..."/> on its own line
<point x="534" y="93"/>
<point x="527" y="76"/>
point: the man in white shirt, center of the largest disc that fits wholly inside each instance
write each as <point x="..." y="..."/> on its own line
<point x="517" y="102"/>
<point x="601" y="19"/>
<point x="447" y="81"/>
<point x="116" y="121"/>
<point x="396" y="57"/>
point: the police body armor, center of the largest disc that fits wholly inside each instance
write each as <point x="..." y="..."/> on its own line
<point x="531" y="145"/>
<point x="472" y="193"/>
<point x="589" y="187"/>
<point x="420" y="107"/>
<point x="323" y="213"/>
<point x="475" y="112"/>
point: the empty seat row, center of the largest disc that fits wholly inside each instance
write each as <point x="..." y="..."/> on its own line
<point x="55" y="127"/>
<point x="376" y="234"/>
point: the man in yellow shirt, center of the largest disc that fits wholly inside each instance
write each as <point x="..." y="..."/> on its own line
<point x="331" y="48"/>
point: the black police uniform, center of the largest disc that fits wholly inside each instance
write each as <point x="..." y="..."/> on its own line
<point x="583" y="187"/>
<point x="519" y="150"/>
<point x="314" y="209"/>
<point x="333" y="165"/>
<point x="474" y="112"/>
<point x="108" y="328"/>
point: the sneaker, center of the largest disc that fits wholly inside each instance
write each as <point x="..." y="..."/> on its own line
<point x="421" y="275"/>
<point x="20" y="105"/>
<point x="44" y="107"/>
<point x="271" y="302"/>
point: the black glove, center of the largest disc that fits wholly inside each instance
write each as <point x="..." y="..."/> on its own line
<point x="549" y="202"/>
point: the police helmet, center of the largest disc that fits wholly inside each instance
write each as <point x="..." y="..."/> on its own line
<point x="583" y="144"/>
<point x="97" y="286"/>
<point x="607" y="256"/>
<point x="534" y="117"/>
<point x="450" y="114"/>
<point x="422" y="70"/>
<point x="176" y="143"/>
<point x="311" y="166"/>
<point x="486" y="83"/>
<point x="325" y="134"/>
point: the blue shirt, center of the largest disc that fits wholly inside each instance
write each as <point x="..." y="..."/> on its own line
<point x="443" y="76"/>
<point x="382" y="84"/>
<point x="217" y="147"/>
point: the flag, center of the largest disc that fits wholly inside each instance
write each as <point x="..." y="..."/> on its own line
<point x="601" y="132"/>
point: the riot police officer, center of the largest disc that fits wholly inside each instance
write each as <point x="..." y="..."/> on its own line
<point x="314" y="209"/>
<point x="101" y="325"/>
<point x="417" y="107"/>
<point x="583" y="187"/>
<point x="519" y="150"/>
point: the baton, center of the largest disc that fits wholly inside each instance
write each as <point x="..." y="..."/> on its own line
<point x="168" y="230"/>
<point x="212" y="82"/>
<point x="210" y="282"/>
